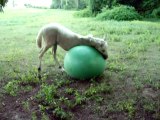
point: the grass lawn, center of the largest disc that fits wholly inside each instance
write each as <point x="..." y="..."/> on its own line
<point x="128" y="89"/>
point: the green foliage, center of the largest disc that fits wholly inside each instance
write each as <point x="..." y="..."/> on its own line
<point x="127" y="105"/>
<point x="56" y="4"/>
<point x="28" y="77"/>
<point x="69" y="91"/>
<point x="34" y="117"/>
<point x="47" y="93"/>
<point x="97" y="88"/>
<point x="134" y="3"/>
<point x="82" y="4"/>
<point x="156" y="13"/>
<point x="23" y="80"/>
<point x="12" y="87"/>
<point x="79" y="99"/>
<point x="26" y="105"/>
<point x="70" y="4"/>
<point x="149" y="105"/>
<point x="3" y="2"/>
<point x="51" y="97"/>
<point x="96" y="5"/>
<point x="60" y="113"/>
<point x="145" y="7"/>
<point x="119" y="13"/>
<point x="83" y="13"/>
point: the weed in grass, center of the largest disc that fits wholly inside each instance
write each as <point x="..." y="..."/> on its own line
<point x="24" y="81"/>
<point x="99" y="98"/>
<point x="157" y="40"/>
<point x="47" y="93"/>
<point x="138" y="83"/>
<point x="26" y="105"/>
<point x="42" y="108"/>
<point x="116" y="66"/>
<point x="12" y="87"/>
<point x="149" y="105"/>
<point x="70" y="104"/>
<point x="29" y="77"/>
<point x="60" y="83"/>
<point x="27" y="88"/>
<point x="115" y="38"/>
<point x="45" y="117"/>
<point x="60" y="113"/>
<point x="62" y="99"/>
<point x="98" y="88"/>
<point x="69" y="91"/>
<point x="34" y="117"/>
<point x="79" y="98"/>
<point x="127" y="105"/>
<point x="142" y="47"/>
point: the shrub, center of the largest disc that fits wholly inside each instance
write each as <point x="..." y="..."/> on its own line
<point x="119" y="13"/>
<point x="83" y="13"/>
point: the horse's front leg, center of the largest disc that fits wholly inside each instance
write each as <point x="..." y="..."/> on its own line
<point x="54" y="49"/>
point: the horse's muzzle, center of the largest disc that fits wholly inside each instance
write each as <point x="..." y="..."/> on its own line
<point x="105" y="57"/>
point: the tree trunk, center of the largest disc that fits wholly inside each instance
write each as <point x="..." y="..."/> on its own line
<point x="61" y="4"/>
<point x="77" y="3"/>
<point x="66" y="2"/>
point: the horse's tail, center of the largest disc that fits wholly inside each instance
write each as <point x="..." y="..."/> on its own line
<point x="39" y="38"/>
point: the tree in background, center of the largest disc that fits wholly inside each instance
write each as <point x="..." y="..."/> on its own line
<point x="149" y="5"/>
<point x="134" y="3"/>
<point x="97" y="5"/>
<point x="3" y="2"/>
<point x="81" y="4"/>
<point x="68" y="4"/>
<point x="145" y="7"/>
<point x="142" y="6"/>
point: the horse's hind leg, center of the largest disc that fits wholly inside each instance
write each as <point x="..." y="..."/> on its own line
<point x="54" y="49"/>
<point x="42" y="51"/>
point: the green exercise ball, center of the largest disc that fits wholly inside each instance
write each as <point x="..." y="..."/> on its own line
<point x="84" y="62"/>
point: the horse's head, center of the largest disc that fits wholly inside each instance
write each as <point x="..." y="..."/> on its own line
<point x="101" y="45"/>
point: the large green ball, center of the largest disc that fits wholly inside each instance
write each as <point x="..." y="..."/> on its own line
<point x="84" y="62"/>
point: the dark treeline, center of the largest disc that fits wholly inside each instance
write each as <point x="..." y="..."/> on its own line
<point x="143" y="7"/>
<point x="96" y="5"/>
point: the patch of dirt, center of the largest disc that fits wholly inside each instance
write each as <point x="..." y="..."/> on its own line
<point x="12" y="107"/>
<point x="150" y="93"/>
